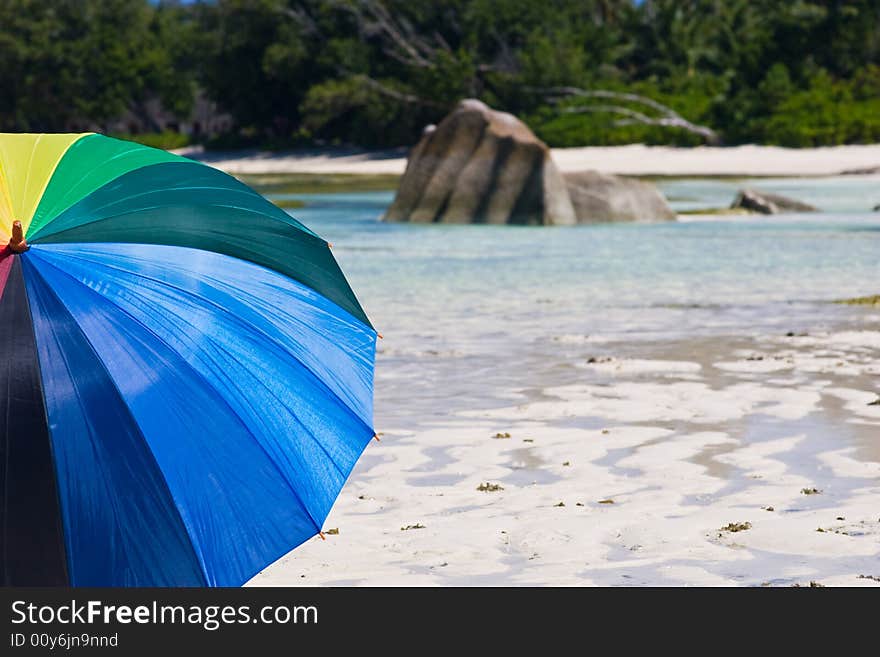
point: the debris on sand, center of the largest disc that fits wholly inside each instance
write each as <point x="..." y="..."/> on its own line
<point x="560" y="504"/>
<point x="489" y="488"/>
<point x="734" y="527"/>
<point x="871" y="577"/>
<point x="418" y="525"/>
<point x="810" y="491"/>
<point x="876" y="402"/>
<point x="812" y="585"/>
<point x="606" y="501"/>
<point x="768" y="508"/>
<point x="502" y="436"/>
<point x="566" y="463"/>
<point x="873" y="300"/>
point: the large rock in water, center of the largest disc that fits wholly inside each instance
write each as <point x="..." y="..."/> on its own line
<point x="599" y="197"/>
<point x="764" y="203"/>
<point x="481" y="166"/>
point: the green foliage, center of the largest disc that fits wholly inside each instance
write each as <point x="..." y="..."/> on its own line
<point x="826" y="112"/>
<point x="374" y="72"/>
<point x="70" y="64"/>
<point x="348" y="111"/>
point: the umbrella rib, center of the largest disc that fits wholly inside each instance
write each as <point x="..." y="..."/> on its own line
<point x="198" y="375"/>
<point x="135" y="426"/>
<point x="114" y="502"/>
<point x="39" y="235"/>
<point x="234" y="318"/>
<point x="345" y="290"/>
<point x="291" y="221"/>
<point x="260" y="332"/>
<point x="72" y="191"/>
<point x="299" y="421"/>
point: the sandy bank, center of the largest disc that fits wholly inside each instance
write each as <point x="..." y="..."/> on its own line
<point x="635" y="159"/>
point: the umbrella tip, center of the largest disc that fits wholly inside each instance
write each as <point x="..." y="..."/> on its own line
<point x="17" y="243"/>
<point x="380" y="336"/>
<point x="377" y="439"/>
<point x="321" y="534"/>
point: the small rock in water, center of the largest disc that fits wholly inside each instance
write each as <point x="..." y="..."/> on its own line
<point x="489" y="488"/>
<point x="766" y="203"/>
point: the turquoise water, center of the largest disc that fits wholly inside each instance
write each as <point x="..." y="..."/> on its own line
<point x="479" y="310"/>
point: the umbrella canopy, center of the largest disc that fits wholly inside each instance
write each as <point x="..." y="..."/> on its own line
<point x="186" y="377"/>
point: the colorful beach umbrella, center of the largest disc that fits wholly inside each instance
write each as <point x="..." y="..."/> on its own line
<point x="186" y="377"/>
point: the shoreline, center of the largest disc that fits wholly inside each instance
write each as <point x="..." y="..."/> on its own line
<point x="633" y="160"/>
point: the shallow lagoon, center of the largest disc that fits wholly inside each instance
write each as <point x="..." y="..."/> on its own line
<point x="501" y="297"/>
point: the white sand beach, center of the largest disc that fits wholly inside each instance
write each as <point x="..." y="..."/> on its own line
<point x="748" y="462"/>
<point x="636" y="159"/>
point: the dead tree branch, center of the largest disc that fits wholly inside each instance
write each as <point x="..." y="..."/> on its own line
<point x="406" y="46"/>
<point x="385" y="90"/>
<point x="668" y="118"/>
